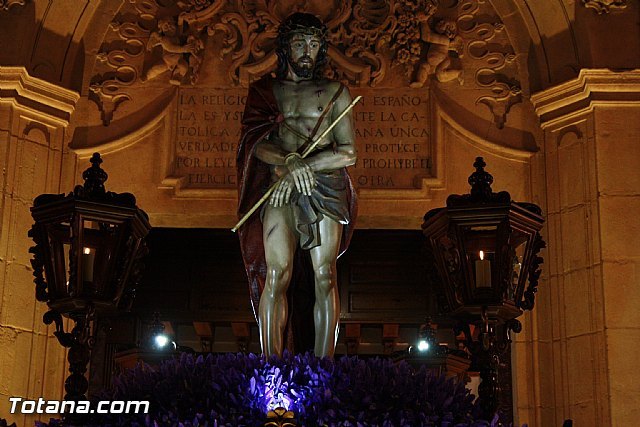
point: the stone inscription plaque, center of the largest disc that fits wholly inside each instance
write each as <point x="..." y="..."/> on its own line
<point x="392" y="137"/>
<point x="207" y="134"/>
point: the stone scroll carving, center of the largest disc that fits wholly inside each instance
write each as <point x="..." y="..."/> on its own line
<point x="145" y="40"/>
<point x="487" y="43"/>
<point x="604" y="6"/>
<point x="117" y="62"/>
<point x="373" y="44"/>
<point x="8" y="4"/>
<point x="368" y="38"/>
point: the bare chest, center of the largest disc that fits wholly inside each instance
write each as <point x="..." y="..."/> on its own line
<point x="302" y="101"/>
<point x="304" y="108"/>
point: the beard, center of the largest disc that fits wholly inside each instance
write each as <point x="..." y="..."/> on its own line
<point x="303" y="69"/>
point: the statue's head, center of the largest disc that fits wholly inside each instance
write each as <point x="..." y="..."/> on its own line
<point x="446" y="27"/>
<point x="301" y="44"/>
<point x="167" y="27"/>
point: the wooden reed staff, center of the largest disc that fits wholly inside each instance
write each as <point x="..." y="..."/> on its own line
<point x="306" y="152"/>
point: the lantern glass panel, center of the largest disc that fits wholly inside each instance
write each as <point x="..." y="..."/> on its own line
<point x="100" y="257"/>
<point x="89" y="254"/>
<point x="516" y="266"/>
<point x="480" y="250"/>
<point x="66" y="251"/>
<point x="59" y="239"/>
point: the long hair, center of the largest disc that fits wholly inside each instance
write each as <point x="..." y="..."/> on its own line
<point x="304" y="23"/>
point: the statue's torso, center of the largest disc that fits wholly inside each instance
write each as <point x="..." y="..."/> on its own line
<point x="302" y="104"/>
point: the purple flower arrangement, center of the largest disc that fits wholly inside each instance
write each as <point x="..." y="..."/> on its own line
<point x="238" y="389"/>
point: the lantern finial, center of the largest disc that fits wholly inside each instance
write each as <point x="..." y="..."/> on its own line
<point x="480" y="180"/>
<point x="93" y="188"/>
<point x="94" y="177"/>
<point x="481" y="191"/>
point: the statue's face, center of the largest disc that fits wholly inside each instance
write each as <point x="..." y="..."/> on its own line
<point x="303" y="52"/>
<point x="447" y="28"/>
<point x="167" y="27"/>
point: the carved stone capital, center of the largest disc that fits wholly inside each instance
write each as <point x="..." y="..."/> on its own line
<point x="592" y="87"/>
<point x="46" y="101"/>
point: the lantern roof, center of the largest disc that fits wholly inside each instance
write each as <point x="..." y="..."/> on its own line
<point x="89" y="243"/>
<point x="486" y="246"/>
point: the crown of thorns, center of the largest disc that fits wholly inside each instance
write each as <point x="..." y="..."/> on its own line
<point x="290" y="27"/>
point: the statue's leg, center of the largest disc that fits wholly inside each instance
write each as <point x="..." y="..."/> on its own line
<point x="421" y="76"/>
<point x="154" y="72"/>
<point x="444" y="73"/>
<point x="326" y="311"/>
<point x="279" y="247"/>
<point x="435" y="56"/>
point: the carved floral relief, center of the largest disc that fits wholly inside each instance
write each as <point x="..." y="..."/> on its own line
<point x="373" y="43"/>
<point x="368" y="38"/>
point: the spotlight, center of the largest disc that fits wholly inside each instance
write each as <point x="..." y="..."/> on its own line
<point x="161" y="341"/>
<point x="157" y="339"/>
<point x="427" y="336"/>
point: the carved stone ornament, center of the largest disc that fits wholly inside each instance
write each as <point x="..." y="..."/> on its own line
<point x="604" y="6"/>
<point x="8" y="4"/>
<point x="144" y="41"/>
<point x="367" y="39"/>
<point x="488" y="44"/>
<point x="117" y="63"/>
<point x="372" y="43"/>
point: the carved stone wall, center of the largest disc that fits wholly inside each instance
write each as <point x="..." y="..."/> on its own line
<point x="169" y="82"/>
<point x="373" y="43"/>
<point x="587" y="322"/>
<point x="33" y="118"/>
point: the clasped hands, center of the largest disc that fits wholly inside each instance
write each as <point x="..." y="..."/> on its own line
<point x="295" y="173"/>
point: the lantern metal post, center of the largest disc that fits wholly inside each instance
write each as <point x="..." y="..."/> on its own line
<point x="87" y="260"/>
<point x="485" y="248"/>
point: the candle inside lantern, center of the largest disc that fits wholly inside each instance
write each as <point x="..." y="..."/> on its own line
<point x="88" y="257"/>
<point x="483" y="272"/>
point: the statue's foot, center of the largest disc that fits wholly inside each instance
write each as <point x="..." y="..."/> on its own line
<point x="417" y="85"/>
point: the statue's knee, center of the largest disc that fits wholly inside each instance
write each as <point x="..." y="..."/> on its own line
<point x="278" y="278"/>
<point x="324" y="278"/>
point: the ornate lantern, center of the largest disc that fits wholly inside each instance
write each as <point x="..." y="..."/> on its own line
<point x="486" y="250"/>
<point x="86" y="261"/>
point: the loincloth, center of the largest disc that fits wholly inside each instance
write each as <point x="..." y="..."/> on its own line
<point x="328" y="197"/>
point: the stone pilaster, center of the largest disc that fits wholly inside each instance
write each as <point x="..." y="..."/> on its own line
<point x="33" y="117"/>
<point x="588" y="346"/>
